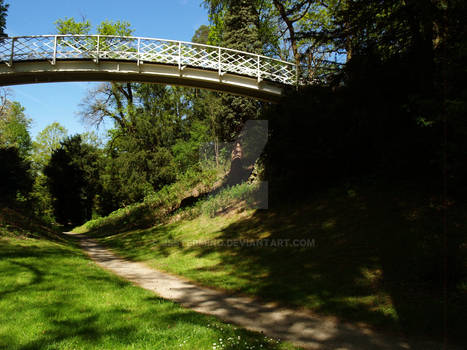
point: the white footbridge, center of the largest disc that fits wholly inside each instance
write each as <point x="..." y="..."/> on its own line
<point x="60" y="58"/>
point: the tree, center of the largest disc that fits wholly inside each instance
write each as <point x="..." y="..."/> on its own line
<point x="71" y="26"/>
<point x="295" y="30"/>
<point x="3" y="15"/>
<point x="290" y="17"/>
<point x="241" y="27"/>
<point x="240" y="33"/>
<point x="47" y="141"/>
<point x="201" y="35"/>
<point x="14" y="127"/>
<point x="141" y="141"/>
<point x="15" y="177"/>
<point x="307" y="23"/>
<point x="137" y="161"/>
<point x="205" y="126"/>
<point x="117" y="28"/>
<point x="72" y="178"/>
<point x="236" y="23"/>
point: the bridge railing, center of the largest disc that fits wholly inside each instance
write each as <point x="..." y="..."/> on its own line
<point x="180" y="53"/>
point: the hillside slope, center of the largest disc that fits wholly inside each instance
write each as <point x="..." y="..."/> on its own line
<point x="365" y="253"/>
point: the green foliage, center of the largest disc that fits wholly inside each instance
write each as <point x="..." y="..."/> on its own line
<point x="15" y="146"/>
<point x="201" y="35"/>
<point x="92" y="139"/>
<point x="140" y="172"/>
<point x="140" y="160"/>
<point x="157" y="134"/>
<point x="71" y="26"/>
<point x="14" y="127"/>
<point x="264" y="23"/>
<point x="3" y="15"/>
<point x="118" y="28"/>
<point x="15" y="176"/>
<point x="186" y="151"/>
<point x="42" y="199"/>
<point x="46" y="142"/>
<point x="239" y="26"/>
<point x="404" y="77"/>
<point x="17" y="222"/>
<point x="216" y="10"/>
<point x="388" y="29"/>
<point x="156" y="206"/>
<point x="72" y="178"/>
<point x="290" y="30"/>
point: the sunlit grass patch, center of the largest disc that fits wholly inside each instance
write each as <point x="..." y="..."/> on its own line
<point x="53" y="297"/>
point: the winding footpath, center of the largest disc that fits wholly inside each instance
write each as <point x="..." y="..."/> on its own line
<point x="300" y="328"/>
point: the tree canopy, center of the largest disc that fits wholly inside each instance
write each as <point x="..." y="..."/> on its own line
<point x="3" y="15"/>
<point x="14" y="127"/>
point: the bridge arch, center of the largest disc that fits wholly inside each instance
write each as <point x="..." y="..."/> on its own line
<point x="60" y="58"/>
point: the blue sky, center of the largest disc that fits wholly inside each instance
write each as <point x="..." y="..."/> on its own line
<point x="46" y="103"/>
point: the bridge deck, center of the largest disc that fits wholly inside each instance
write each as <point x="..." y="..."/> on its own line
<point x="53" y="58"/>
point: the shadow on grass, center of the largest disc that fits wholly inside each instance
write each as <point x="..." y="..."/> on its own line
<point x="42" y="286"/>
<point x="16" y="268"/>
<point x="377" y="259"/>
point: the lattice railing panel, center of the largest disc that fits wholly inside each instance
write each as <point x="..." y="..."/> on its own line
<point x="235" y="62"/>
<point x="5" y="49"/>
<point x="140" y="50"/>
<point x="196" y="55"/>
<point x="118" y="48"/>
<point x="277" y="71"/>
<point x="159" y="51"/>
<point x="76" y="47"/>
<point x="40" y="48"/>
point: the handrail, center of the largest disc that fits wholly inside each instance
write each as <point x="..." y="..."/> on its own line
<point x="149" y="50"/>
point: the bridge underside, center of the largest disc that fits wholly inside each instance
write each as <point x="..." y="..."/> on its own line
<point x="43" y="71"/>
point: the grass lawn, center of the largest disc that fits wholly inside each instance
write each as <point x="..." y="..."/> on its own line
<point x="53" y="297"/>
<point x="376" y="257"/>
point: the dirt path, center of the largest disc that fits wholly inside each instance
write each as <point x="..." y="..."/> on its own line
<point x="303" y="329"/>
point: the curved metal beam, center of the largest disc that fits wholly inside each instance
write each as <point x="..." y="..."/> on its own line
<point x="54" y="58"/>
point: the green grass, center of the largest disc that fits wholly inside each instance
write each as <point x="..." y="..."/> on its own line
<point x="248" y="194"/>
<point x="53" y="297"/>
<point x="156" y="206"/>
<point x="376" y="258"/>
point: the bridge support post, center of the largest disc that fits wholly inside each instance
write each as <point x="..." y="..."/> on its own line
<point x="258" y="70"/>
<point x="97" y="50"/>
<point x="12" y="52"/>
<point x="179" y="56"/>
<point x="54" y="59"/>
<point x="219" y="63"/>
<point x="138" y="55"/>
